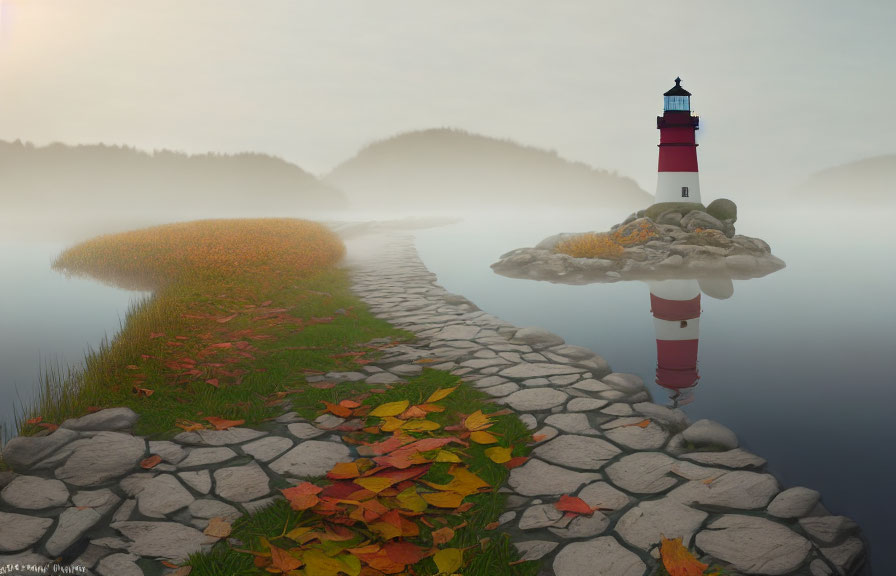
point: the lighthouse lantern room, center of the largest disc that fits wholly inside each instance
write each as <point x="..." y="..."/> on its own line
<point x="677" y="178"/>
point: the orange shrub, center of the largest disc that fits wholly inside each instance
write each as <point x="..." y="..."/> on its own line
<point x="590" y="245"/>
<point x="632" y="235"/>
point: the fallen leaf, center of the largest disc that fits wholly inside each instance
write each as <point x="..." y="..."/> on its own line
<point x="145" y="392"/>
<point x="477" y="421"/>
<point x="150" y="462"/>
<point x="404" y="553"/>
<point x="498" y="454"/>
<point x="443" y="499"/>
<point x="218" y="527"/>
<point x="390" y="409"/>
<point x="337" y="409"/>
<point x="573" y="504"/>
<point x="440" y="394"/>
<point x="222" y="424"/>
<point x="49" y="426"/>
<point x="344" y="470"/>
<point x="442" y="535"/>
<point x="492" y="525"/>
<point x="35" y="420"/>
<point x="374" y="484"/>
<point x="303" y="496"/>
<point x="189" y="425"/>
<point x="212" y="381"/>
<point x="642" y="424"/>
<point x="420" y="426"/>
<point x="445" y="456"/>
<point x="448" y="560"/>
<point x="283" y="561"/>
<point x="350" y="404"/>
<point x="482" y="437"/>
<point x="677" y="560"/>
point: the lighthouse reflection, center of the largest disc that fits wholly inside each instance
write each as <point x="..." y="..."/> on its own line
<point x="675" y="305"/>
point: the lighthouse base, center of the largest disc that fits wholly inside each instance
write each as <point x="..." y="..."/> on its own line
<point x="678" y="187"/>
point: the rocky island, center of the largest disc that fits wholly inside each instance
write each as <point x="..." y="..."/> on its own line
<point x="665" y="240"/>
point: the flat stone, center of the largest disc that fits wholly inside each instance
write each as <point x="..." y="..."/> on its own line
<point x="91" y="555"/>
<point x="642" y="472"/>
<point x="301" y="430"/>
<point x="637" y="438"/>
<point x="529" y="421"/>
<point x="574" y="451"/>
<point x="242" y="483"/>
<point x="591" y="385"/>
<point x="124" y="511"/>
<point x="478" y="363"/>
<point x="585" y="404"/>
<point x="102" y="500"/>
<point x="536" y="382"/>
<point x="564" y="380"/>
<point x="532" y="335"/>
<point x="256" y="505"/>
<point x="671" y="417"/>
<point x="206" y="508"/>
<point x="602" y="556"/>
<point x="406" y="369"/>
<point x="22" y="452"/>
<point x="229" y="436"/>
<point x="709" y="433"/>
<point x="329" y="421"/>
<point x="267" y="449"/>
<point x="737" y="458"/>
<point x="546" y="433"/>
<point x="206" y="456"/>
<point x="457" y="332"/>
<point x="602" y="495"/>
<point x="737" y="489"/>
<point x="575" y="423"/>
<point x="582" y="526"/>
<point x="534" y="549"/>
<point x="501" y="389"/>
<point x="618" y="409"/>
<point x="345" y="376"/>
<point x="162" y="495"/>
<point x="573" y="352"/>
<point x="643" y="525"/>
<point x="109" y="419"/>
<point x="198" y="480"/>
<point x="845" y="556"/>
<point x="111" y="543"/>
<point x="535" y="478"/>
<point x="311" y="458"/>
<point x="73" y="523"/>
<point x="169" y="451"/>
<point x="383" y="378"/>
<point x="119" y="565"/>
<point x="102" y="457"/>
<point x="506" y="517"/>
<point x="167" y="540"/>
<point x="818" y="567"/>
<point x="533" y="357"/>
<point x="540" y="516"/>
<point x="537" y="370"/>
<point x="773" y="548"/>
<point x="490" y="381"/>
<point x="828" y="529"/>
<point x="535" y="399"/>
<point x="18" y="532"/>
<point x="624" y="382"/>
<point x="288" y="418"/>
<point x="34" y="493"/>
<point x="794" y="502"/>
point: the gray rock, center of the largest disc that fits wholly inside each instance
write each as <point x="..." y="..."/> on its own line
<point x="623" y="382"/>
<point x="206" y="456"/>
<point x="124" y="511"/>
<point x="536" y="382"/>
<point x="572" y="451"/>
<point x="24" y="558"/>
<point x="478" y="363"/>
<point x="573" y="352"/>
<point x="329" y="421"/>
<point x="167" y="540"/>
<point x="529" y="421"/>
<point x="103" y="457"/>
<point x="602" y="556"/>
<point x="34" y="493"/>
<point x="564" y="380"/>
<point x="737" y="489"/>
<point x="457" y="332"/>
<point x="534" y="399"/>
<point x="818" y="567"/>
<point x="311" y="458"/>
<point x="506" y="517"/>
<point x="546" y="433"/>
<point x="534" y="549"/>
<point x="642" y="472"/>
<point x="119" y="565"/>
<point x="670" y="217"/>
<point x="793" y="502"/>
<point x="73" y="523"/>
<point x="737" y="458"/>
<point x="828" y="529"/>
<point x="383" y="378"/>
<point x="535" y="478"/>
<point x="288" y="418"/>
<point x="109" y="419"/>
<point x="673" y="418"/>
<point x="582" y="526"/>
<point x="602" y="495"/>
<point x="301" y="430"/>
<point x="709" y="433"/>
<point x="722" y="209"/>
<point x="773" y="549"/>
<point x="501" y="389"/>
<point x="242" y="483"/>
<point x="618" y="409"/>
<point x="575" y="423"/>
<point x="18" y="532"/>
<point x="102" y="500"/>
<point x="213" y="508"/>
<point x="169" y="451"/>
<point x="637" y="438"/>
<point x="643" y="525"/>
<point x="22" y="452"/>
<point x="91" y="556"/>
<point x="537" y="370"/>
<point x="696" y="219"/>
<point x="198" y="480"/>
<point x="406" y="369"/>
<point x="490" y="381"/>
<point x="345" y="376"/>
<point x="540" y="516"/>
<point x="845" y="556"/>
<point x="536" y="336"/>
<point x="219" y="437"/>
<point x="162" y="495"/>
<point x="591" y="385"/>
<point x="585" y="404"/>
<point x="267" y="449"/>
<point x="6" y="476"/>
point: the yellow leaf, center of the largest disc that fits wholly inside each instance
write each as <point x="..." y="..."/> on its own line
<point x="420" y="425"/>
<point x="448" y="560"/>
<point x="319" y="564"/>
<point x="463" y="482"/>
<point x="498" y="454"/>
<point x="446" y="456"/>
<point x="390" y="409"/>
<point x="678" y="561"/>
<point x="296" y="533"/>
<point x="411" y="500"/>
<point x="477" y="421"/>
<point x="443" y="499"/>
<point x="482" y="437"/>
<point x="218" y="528"/>
<point x="391" y="424"/>
<point x="374" y="484"/>
<point x="440" y="394"/>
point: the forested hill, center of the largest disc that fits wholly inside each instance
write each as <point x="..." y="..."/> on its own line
<point x="452" y="169"/>
<point x="121" y="180"/>
<point x="869" y="181"/>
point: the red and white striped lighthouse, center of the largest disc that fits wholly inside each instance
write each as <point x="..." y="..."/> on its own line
<point x="675" y="305"/>
<point x="677" y="179"/>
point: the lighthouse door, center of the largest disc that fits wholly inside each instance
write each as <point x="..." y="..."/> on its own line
<point x="684" y="191"/>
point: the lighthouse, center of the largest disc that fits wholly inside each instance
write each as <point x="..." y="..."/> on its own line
<point x="677" y="179"/>
<point x="675" y="305"/>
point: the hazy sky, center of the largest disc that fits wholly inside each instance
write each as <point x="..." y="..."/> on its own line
<point x="782" y="87"/>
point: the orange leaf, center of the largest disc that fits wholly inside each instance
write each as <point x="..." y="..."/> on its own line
<point x="477" y="421"/>
<point x="303" y="496"/>
<point x="678" y="561"/>
<point x="222" y="424"/>
<point x="641" y="424"/>
<point x="350" y="404"/>
<point x="189" y="426"/>
<point x="341" y="411"/>
<point x="573" y="504"/>
<point x="145" y="392"/>
<point x="442" y="535"/>
<point x="404" y="553"/>
<point x="516" y="461"/>
<point x="212" y="381"/>
<point x="35" y="420"/>
<point x="218" y="527"/>
<point x="283" y="561"/>
<point x="48" y="426"/>
<point x="150" y="462"/>
<point x="344" y="470"/>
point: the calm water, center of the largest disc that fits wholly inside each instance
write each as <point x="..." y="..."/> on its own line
<point x="46" y="318"/>
<point x="800" y="364"/>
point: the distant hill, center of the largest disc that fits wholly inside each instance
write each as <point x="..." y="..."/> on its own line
<point x="868" y="181"/>
<point x="444" y="169"/>
<point x="115" y="180"/>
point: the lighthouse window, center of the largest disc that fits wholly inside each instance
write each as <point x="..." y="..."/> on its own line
<point x="684" y="191"/>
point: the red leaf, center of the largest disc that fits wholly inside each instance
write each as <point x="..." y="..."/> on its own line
<point x="573" y="504"/>
<point x="212" y="381"/>
<point x="303" y="496"/>
<point x="222" y="424"/>
<point x="35" y="420"/>
<point x="150" y="462"/>
<point x="338" y="410"/>
<point x="517" y="461"/>
<point x="404" y="552"/>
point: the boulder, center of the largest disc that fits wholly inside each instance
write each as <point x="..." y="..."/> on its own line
<point x="723" y="209"/>
<point x="696" y="219"/>
<point x="684" y="208"/>
<point x="773" y="549"/>
<point x="109" y="419"/>
<point x="602" y="556"/>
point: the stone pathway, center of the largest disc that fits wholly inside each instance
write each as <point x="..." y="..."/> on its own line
<point x="79" y="497"/>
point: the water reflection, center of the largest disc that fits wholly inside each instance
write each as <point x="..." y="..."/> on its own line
<point x="675" y="305"/>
